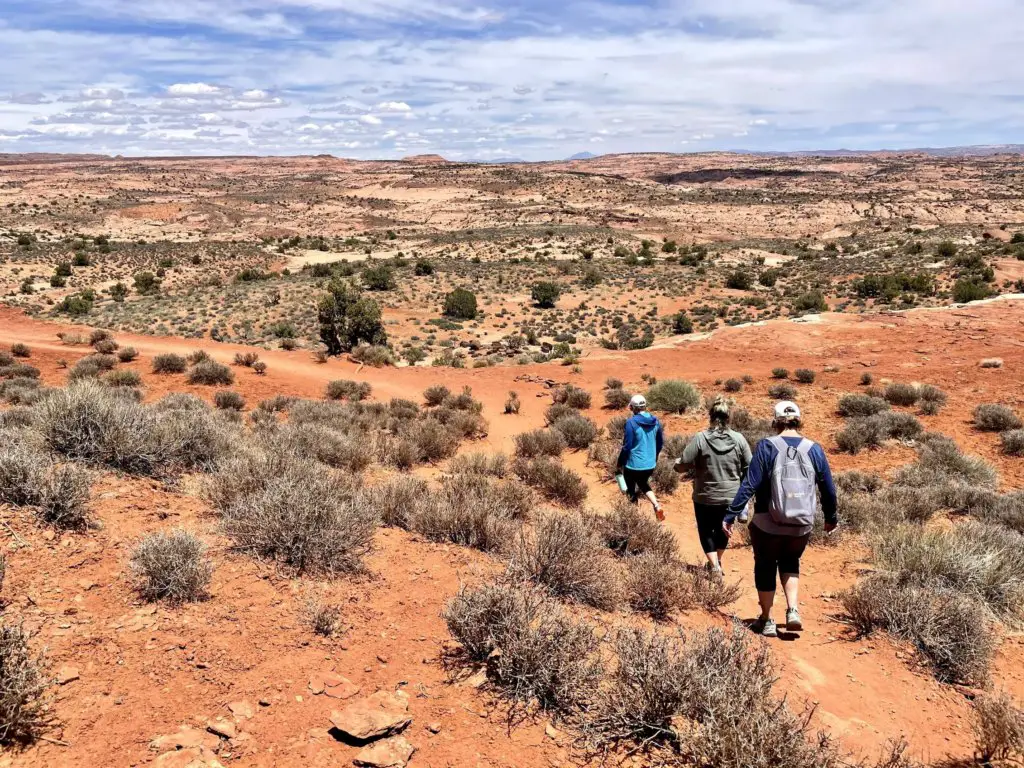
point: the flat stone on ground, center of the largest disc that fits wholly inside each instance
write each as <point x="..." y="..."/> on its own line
<point x="387" y="753"/>
<point x="382" y="714"/>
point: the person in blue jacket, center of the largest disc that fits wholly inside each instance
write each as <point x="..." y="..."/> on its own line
<point x="642" y="442"/>
<point x="778" y="544"/>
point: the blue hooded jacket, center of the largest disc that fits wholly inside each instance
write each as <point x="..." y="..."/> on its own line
<point x="641" y="442"/>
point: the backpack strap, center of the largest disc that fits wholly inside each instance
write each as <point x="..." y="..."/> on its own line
<point x="806" y="446"/>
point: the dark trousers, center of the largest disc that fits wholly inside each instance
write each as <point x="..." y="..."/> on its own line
<point x="774" y="554"/>
<point x="637" y="481"/>
<point x="709" y="526"/>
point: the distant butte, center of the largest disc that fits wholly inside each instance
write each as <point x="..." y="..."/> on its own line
<point x="425" y="160"/>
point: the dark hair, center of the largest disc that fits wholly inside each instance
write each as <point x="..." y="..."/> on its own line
<point x="719" y="418"/>
<point x="787" y="422"/>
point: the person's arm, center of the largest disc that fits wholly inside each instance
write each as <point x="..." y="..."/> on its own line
<point x="745" y="455"/>
<point x="756" y="474"/>
<point x="659" y="440"/>
<point x="627" y="444"/>
<point x="690" y="454"/>
<point x="826" y="486"/>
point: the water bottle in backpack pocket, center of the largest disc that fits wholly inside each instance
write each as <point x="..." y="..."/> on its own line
<point x="794" y="484"/>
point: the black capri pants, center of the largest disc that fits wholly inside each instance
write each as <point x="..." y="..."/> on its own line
<point x="775" y="554"/>
<point x="709" y="526"/>
<point x="637" y="481"/>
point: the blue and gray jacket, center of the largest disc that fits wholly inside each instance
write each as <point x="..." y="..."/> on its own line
<point x="641" y="442"/>
<point x="758" y="483"/>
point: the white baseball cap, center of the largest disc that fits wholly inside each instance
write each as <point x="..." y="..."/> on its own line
<point x="787" y="410"/>
<point x="638" y="401"/>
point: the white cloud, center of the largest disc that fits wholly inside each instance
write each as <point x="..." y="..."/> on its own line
<point x="393" y="106"/>
<point x="194" y="89"/>
<point x="370" y="120"/>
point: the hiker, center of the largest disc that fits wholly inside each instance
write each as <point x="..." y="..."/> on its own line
<point x="641" y="445"/>
<point x="786" y="476"/>
<point x="719" y="458"/>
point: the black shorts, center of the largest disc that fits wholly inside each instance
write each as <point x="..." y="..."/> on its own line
<point x="637" y="481"/>
<point x="775" y="554"/>
<point x="709" y="526"/>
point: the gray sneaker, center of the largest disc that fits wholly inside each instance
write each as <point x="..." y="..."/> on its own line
<point x="793" y="623"/>
<point x="765" y="628"/>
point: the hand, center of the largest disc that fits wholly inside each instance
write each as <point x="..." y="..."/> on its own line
<point x="829" y="527"/>
<point x="727" y="527"/>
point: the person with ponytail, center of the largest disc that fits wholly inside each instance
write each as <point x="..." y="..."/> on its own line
<point x="718" y="458"/>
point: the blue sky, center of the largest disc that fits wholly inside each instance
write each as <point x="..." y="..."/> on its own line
<point x="484" y="79"/>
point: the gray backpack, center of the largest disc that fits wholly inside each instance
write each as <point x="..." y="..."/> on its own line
<point x="794" y="484"/>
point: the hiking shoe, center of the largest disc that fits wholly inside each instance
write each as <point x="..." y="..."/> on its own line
<point x="659" y="513"/>
<point x="765" y="628"/>
<point x="793" y="623"/>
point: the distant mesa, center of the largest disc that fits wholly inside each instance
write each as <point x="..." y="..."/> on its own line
<point x="425" y="160"/>
<point x="583" y="156"/>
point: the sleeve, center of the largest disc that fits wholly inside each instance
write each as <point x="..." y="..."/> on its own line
<point x="756" y="475"/>
<point x="659" y="440"/>
<point x="745" y="454"/>
<point x="627" y="443"/>
<point x="690" y="452"/>
<point x="826" y="487"/>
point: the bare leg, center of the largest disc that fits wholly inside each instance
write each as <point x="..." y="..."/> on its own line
<point x="654" y="503"/>
<point x="791" y="586"/>
<point x="766" y="599"/>
<point x="714" y="561"/>
<point x="720" y="554"/>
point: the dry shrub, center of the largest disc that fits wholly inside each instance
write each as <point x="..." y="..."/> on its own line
<point x="855" y="481"/>
<point x="534" y="649"/>
<point x="780" y="373"/>
<point x="512" y="403"/>
<point x="490" y="464"/>
<point x="615" y="427"/>
<point x="398" y="500"/>
<point x="211" y="373"/>
<point x="467" y="511"/>
<point x="703" y="701"/>
<point x="555" y="482"/>
<point x="1012" y="442"/>
<point x="941" y="463"/>
<point x="19" y="370"/>
<point x="999" y="731"/>
<point x="665" y="479"/>
<point x="616" y="398"/>
<point x="123" y="379"/>
<point x="861" y="405"/>
<point x="172" y="566"/>
<point x="324" y="620"/>
<point x="24" y="711"/>
<point x="169" y="363"/>
<point x="754" y="430"/>
<point x="106" y="346"/>
<point x="572" y="396"/>
<point x="433" y="440"/>
<point x="198" y="356"/>
<point x="930" y="394"/>
<point x="976" y="559"/>
<point x="29" y="477"/>
<point x="323" y="444"/>
<point x="246" y="359"/>
<point x="992" y="362"/>
<point x="557" y="411"/>
<point x="902" y="394"/>
<point x="563" y="554"/>
<point x="996" y="418"/>
<point x="345" y="389"/>
<point x="656" y="586"/>
<point x="436" y="394"/>
<point x="782" y="392"/>
<point x="229" y="401"/>
<point x="805" y="375"/>
<point x="180" y="401"/>
<point x="628" y="532"/>
<point x="873" y="431"/>
<point x="710" y="592"/>
<point x="951" y="630"/>
<point x="579" y="431"/>
<point x="21" y="391"/>
<point x="20" y="350"/>
<point x="540" y="442"/>
<point x="293" y="511"/>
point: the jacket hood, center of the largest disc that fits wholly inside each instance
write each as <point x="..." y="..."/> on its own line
<point x="720" y="441"/>
<point x="645" y="419"/>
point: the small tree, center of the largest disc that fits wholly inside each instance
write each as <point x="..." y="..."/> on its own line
<point x="739" y="281"/>
<point x="423" y="268"/>
<point x="118" y="292"/>
<point x="545" y="294"/>
<point x="380" y="278"/>
<point x="146" y="283"/>
<point x="347" y="318"/>
<point x="682" y="324"/>
<point x="946" y="249"/>
<point x="460" y="304"/>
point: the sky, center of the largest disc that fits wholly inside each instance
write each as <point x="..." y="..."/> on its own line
<point x="491" y="79"/>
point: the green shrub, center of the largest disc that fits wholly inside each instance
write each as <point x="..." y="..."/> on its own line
<point x="861" y="405"/>
<point x="229" y="401"/>
<point x="346" y="389"/>
<point x="782" y="392"/>
<point x="673" y="396"/>
<point x="169" y="363"/>
<point x="780" y="373"/>
<point x="996" y="418"/>
<point x="805" y="375"/>
<point x="460" y="304"/>
<point x="545" y="294"/>
<point x="379" y="278"/>
<point x="211" y="373"/>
